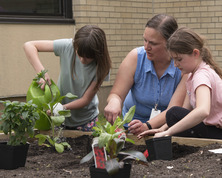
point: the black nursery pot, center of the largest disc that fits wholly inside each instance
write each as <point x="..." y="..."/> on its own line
<point x="12" y="157"/>
<point x="159" y="148"/>
<point x="102" y="173"/>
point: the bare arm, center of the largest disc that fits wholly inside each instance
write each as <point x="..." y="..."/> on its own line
<point x="32" y="48"/>
<point x="196" y="116"/>
<point x="176" y="100"/>
<point x="186" y="103"/>
<point x="137" y="127"/>
<point x="123" y="83"/>
<point x="84" y="100"/>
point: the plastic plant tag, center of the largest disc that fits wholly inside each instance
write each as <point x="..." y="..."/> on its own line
<point x="154" y="113"/>
<point x="219" y="150"/>
<point x="99" y="154"/>
<point x="146" y="153"/>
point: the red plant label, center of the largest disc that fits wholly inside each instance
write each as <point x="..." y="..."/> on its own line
<point x="99" y="157"/>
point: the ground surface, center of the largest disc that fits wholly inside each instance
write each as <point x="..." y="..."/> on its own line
<point x="187" y="162"/>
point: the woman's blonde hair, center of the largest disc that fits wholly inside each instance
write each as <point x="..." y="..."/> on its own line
<point x="90" y="42"/>
<point x="185" y="40"/>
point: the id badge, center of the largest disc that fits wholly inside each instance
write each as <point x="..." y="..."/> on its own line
<point x="154" y="113"/>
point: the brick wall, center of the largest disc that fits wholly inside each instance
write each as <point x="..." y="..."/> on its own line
<point x="204" y="16"/>
<point x="123" y="22"/>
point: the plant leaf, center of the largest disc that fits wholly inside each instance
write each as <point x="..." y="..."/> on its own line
<point x="68" y="95"/>
<point x="42" y="138"/>
<point x="130" y="140"/>
<point x="104" y="138"/>
<point x="65" y="113"/>
<point x="115" y="124"/>
<point x="112" y="166"/>
<point x="137" y="155"/>
<point x="87" y="157"/>
<point x="65" y="144"/>
<point x="128" y="116"/>
<point x="57" y="120"/>
<point x="71" y="96"/>
<point x="119" y="144"/>
<point x="59" y="147"/>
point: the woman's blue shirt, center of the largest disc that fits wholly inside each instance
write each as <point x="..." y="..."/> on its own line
<point x="148" y="90"/>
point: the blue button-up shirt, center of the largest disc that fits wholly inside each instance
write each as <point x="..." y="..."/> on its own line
<point x="148" y="90"/>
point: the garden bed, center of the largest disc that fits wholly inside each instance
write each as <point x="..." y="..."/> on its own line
<point x="188" y="161"/>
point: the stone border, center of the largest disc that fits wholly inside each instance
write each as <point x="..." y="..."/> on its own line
<point x="179" y="140"/>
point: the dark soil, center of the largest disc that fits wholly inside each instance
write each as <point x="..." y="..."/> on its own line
<point x="187" y="161"/>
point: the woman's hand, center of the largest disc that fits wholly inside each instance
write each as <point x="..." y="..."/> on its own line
<point x="112" y="110"/>
<point x="136" y="127"/>
<point x="123" y="83"/>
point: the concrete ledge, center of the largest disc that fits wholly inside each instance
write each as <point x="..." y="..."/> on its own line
<point x="195" y="141"/>
<point x="179" y="140"/>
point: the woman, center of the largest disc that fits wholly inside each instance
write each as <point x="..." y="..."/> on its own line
<point x="85" y="62"/>
<point x="147" y="78"/>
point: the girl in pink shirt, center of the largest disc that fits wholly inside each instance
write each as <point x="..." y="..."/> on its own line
<point x="201" y="114"/>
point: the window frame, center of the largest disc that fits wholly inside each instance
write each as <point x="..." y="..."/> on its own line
<point x="67" y="17"/>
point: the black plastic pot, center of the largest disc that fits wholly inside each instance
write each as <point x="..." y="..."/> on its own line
<point x="159" y="148"/>
<point x="12" y="157"/>
<point x="102" y="173"/>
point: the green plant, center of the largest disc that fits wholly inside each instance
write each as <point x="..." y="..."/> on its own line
<point x="18" y="120"/>
<point x="55" y="119"/>
<point x="110" y="137"/>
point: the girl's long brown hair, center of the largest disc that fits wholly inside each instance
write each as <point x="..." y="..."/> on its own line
<point x="90" y="42"/>
<point x="185" y="40"/>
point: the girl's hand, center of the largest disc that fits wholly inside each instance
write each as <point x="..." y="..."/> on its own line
<point x="161" y="134"/>
<point x="47" y="78"/>
<point x="136" y="127"/>
<point x="149" y="132"/>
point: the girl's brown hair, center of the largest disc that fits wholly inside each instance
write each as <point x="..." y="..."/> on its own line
<point x="184" y="41"/>
<point x="90" y="42"/>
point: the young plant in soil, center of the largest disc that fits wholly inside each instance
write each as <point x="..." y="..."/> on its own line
<point x="18" y="120"/>
<point x="113" y="138"/>
<point x="56" y="118"/>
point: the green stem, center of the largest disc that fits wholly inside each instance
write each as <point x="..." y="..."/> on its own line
<point x="46" y="116"/>
<point x="53" y="131"/>
<point x="49" y="87"/>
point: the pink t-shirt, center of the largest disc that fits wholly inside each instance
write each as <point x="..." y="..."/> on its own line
<point x="207" y="76"/>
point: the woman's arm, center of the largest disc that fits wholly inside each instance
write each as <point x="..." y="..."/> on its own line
<point x="84" y="100"/>
<point x="196" y="116"/>
<point x="123" y="82"/>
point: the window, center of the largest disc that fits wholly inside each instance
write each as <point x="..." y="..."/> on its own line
<point x="36" y="11"/>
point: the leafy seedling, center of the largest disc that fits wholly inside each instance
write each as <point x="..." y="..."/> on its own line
<point x="55" y="120"/>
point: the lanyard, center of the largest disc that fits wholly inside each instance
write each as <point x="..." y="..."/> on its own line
<point x="161" y="92"/>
